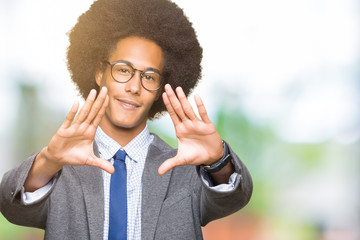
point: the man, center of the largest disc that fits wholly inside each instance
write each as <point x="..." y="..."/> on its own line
<point x="103" y="175"/>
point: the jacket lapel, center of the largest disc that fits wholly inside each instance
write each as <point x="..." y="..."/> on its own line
<point x="153" y="191"/>
<point x="154" y="186"/>
<point x="91" y="181"/>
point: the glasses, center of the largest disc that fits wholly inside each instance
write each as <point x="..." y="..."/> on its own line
<point x="123" y="71"/>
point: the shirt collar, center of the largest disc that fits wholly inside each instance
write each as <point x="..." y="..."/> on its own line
<point x="135" y="149"/>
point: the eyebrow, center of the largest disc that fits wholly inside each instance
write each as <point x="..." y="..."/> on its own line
<point x="132" y="65"/>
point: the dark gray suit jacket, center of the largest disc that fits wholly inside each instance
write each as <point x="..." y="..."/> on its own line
<point x="174" y="206"/>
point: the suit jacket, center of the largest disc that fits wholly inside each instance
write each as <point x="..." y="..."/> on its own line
<point x="174" y="206"/>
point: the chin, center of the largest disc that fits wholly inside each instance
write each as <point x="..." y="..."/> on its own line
<point x="124" y="123"/>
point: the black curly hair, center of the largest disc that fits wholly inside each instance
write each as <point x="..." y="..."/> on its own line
<point x="98" y="30"/>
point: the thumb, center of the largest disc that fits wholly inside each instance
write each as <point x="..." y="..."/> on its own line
<point x="102" y="164"/>
<point x="167" y="165"/>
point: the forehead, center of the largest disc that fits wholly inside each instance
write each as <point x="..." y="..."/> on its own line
<point x="140" y="52"/>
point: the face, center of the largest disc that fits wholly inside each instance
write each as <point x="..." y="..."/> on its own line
<point x="129" y="102"/>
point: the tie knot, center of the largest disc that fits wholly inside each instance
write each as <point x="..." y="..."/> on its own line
<point x="120" y="155"/>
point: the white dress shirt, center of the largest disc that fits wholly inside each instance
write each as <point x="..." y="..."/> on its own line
<point x="136" y="152"/>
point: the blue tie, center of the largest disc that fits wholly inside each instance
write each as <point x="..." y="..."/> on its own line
<point x="118" y="199"/>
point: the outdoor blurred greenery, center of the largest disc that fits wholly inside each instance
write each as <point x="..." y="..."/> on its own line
<point x="280" y="82"/>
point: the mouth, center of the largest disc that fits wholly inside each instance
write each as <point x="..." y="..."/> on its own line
<point x="128" y="104"/>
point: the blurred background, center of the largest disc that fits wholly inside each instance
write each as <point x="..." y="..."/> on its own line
<point x="281" y="82"/>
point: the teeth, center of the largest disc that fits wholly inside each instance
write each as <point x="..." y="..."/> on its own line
<point x="129" y="105"/>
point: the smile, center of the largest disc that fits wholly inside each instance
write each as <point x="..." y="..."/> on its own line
<point x="128" y="104"/>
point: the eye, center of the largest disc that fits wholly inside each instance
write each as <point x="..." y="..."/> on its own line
<point x="148" y="77"/>
<point x="151" y="76"/>
<point x="122" y="69"/>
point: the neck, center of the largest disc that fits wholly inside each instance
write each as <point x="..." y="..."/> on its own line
<point x="120" y="134"/>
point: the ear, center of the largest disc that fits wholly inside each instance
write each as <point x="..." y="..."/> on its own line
<point x="98" y="76"/>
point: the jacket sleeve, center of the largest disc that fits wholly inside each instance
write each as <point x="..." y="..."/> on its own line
<point x="12" y="204"/>
<point x="216" y="204"/>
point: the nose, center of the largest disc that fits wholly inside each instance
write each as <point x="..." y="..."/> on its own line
<point x="134" y="84"/>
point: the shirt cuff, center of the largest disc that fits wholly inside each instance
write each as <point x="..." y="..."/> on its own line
<point x="32" y="197"/>
<point x="206" y="178"/>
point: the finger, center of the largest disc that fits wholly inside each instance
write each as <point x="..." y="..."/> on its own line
<point x="70" y="116"/>
<point x="186" y="104"/>
<point x="175" y="103"/>
<point x="101" y="113"/>
<point x="175" y="119"/>
<point x="97" y="106"/>
<point x="201" y="109"/>
<point x="167" y="165"/>
<point x="100" y="163"/>
<point x="84" y="112"/>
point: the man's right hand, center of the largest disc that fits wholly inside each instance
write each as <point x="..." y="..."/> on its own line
<point x="72" y="144"/>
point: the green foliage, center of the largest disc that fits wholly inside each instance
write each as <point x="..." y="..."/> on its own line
<point x="35" y="124"/>
<point x="308" y="155"/>
<point x="155" y="128"/>
<point x="9" y="231"/>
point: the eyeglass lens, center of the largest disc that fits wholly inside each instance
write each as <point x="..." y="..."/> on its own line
<point x="123" y="72"/>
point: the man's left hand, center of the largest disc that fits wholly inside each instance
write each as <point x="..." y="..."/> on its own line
<point x="198" y="140"/>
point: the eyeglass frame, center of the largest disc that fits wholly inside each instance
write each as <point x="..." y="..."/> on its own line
<point x="112" y="64"/>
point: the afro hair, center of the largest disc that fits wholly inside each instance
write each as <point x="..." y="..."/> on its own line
<point x="98" y="30"/>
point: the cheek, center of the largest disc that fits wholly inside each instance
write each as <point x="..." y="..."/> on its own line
<point x="111" y="86"/>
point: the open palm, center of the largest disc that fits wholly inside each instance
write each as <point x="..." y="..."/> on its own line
<point x="198" y="141"/>
<point x="73" y="142"/>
